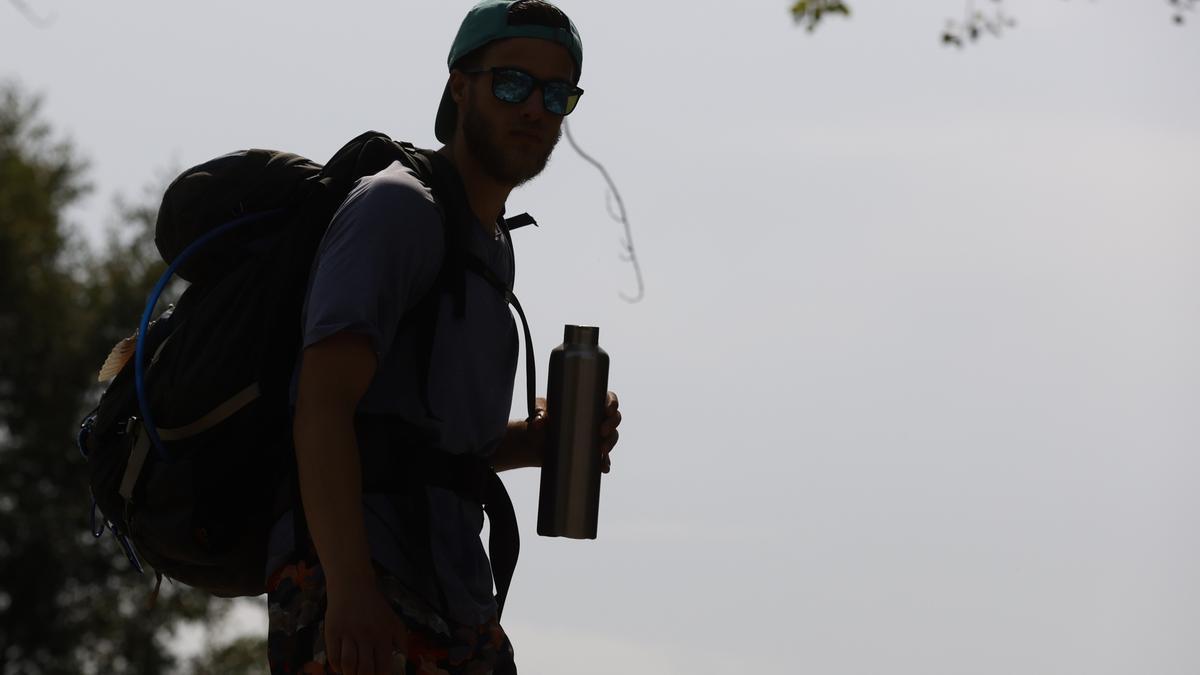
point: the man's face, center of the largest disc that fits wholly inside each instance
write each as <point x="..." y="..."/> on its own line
<point x="513" y="141"/>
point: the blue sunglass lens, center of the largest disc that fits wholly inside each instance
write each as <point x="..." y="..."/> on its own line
<point x="511" y="86"/>
<point x="560" y="98"/>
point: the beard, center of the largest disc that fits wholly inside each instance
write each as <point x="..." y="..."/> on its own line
<point x="506" y="166"/>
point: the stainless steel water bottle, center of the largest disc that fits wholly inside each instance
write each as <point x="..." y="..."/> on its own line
<point x="569" y="501"/>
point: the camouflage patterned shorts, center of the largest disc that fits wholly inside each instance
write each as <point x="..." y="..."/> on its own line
<point x="296" y="642"/>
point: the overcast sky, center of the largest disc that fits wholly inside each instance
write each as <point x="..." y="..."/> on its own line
<point x="914" y="389"/>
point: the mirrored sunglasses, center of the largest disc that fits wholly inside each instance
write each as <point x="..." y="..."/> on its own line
<point x="513" y="85"/>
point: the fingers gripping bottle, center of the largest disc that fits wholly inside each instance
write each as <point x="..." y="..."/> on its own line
<point x="569" y="501"/>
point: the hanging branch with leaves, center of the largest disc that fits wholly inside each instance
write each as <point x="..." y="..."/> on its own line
<point x="613" y="198"/>
<point x="976" y="23"/>
<point x="812" y="12"/>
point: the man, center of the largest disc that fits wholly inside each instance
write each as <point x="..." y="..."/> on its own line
<point x="389" y="582"/>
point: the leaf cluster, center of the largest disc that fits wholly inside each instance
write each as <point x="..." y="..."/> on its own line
<point x="977" y="23"/>
<point x="1180" y="7"/>
<point x="812" y="12"/>
<point x="958" y="33"/>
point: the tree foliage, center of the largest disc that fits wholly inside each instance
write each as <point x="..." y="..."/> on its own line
<point x="68" y="603"/>
<point x="976" y="23"/>
<point x="244" y="656"/>
<point x="812" y="12"/>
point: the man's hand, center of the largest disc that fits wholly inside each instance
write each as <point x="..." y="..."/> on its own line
<point x="608" y="431"/>
<point x="525" y="443"/>
<point x="361" y="630"/>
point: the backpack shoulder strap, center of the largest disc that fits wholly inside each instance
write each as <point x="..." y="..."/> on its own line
<point x="450" y="193"/>
<point x="504" y="541"/>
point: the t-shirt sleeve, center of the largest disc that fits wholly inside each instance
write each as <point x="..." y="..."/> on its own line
<point x="379" y="257"/>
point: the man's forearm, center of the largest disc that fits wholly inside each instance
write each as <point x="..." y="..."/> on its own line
<point x="330" y="473"/>
<point x="520" y="448"/>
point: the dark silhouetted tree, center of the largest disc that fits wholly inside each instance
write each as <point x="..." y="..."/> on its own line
<point x="68" y="603"/>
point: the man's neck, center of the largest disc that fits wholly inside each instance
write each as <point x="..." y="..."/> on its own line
<point x="486" y="197"/>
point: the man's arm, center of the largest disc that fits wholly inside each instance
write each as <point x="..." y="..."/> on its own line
<point x="334" y="375"/>
<point x="360" y="627"/>
<point x="523" y="442"/>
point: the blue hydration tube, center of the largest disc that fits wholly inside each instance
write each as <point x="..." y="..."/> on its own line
<point x="143" y="327"/>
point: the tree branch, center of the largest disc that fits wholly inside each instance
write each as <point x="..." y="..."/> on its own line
<point x="619" y="215"/>
<point x="31" y="16"/>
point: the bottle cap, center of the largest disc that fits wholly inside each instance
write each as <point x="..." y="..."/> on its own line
<point x="588" y="336"/>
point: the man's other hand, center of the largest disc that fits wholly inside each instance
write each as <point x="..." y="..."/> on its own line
<point x="361" y="630"/>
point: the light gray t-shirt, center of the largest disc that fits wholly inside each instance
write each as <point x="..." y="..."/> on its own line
<point x="379" y="258"/>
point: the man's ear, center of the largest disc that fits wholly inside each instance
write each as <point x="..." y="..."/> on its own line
<point x="458" y="86"/>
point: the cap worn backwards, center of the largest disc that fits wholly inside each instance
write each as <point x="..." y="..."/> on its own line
<point x="487" y="22"/>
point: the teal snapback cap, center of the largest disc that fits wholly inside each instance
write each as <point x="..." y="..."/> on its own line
<point x="492" y="20"/>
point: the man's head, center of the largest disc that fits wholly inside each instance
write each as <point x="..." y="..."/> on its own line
<point x="513" y="69"/>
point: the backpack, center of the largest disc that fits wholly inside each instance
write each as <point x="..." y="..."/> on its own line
<point x="189" y="450"/>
